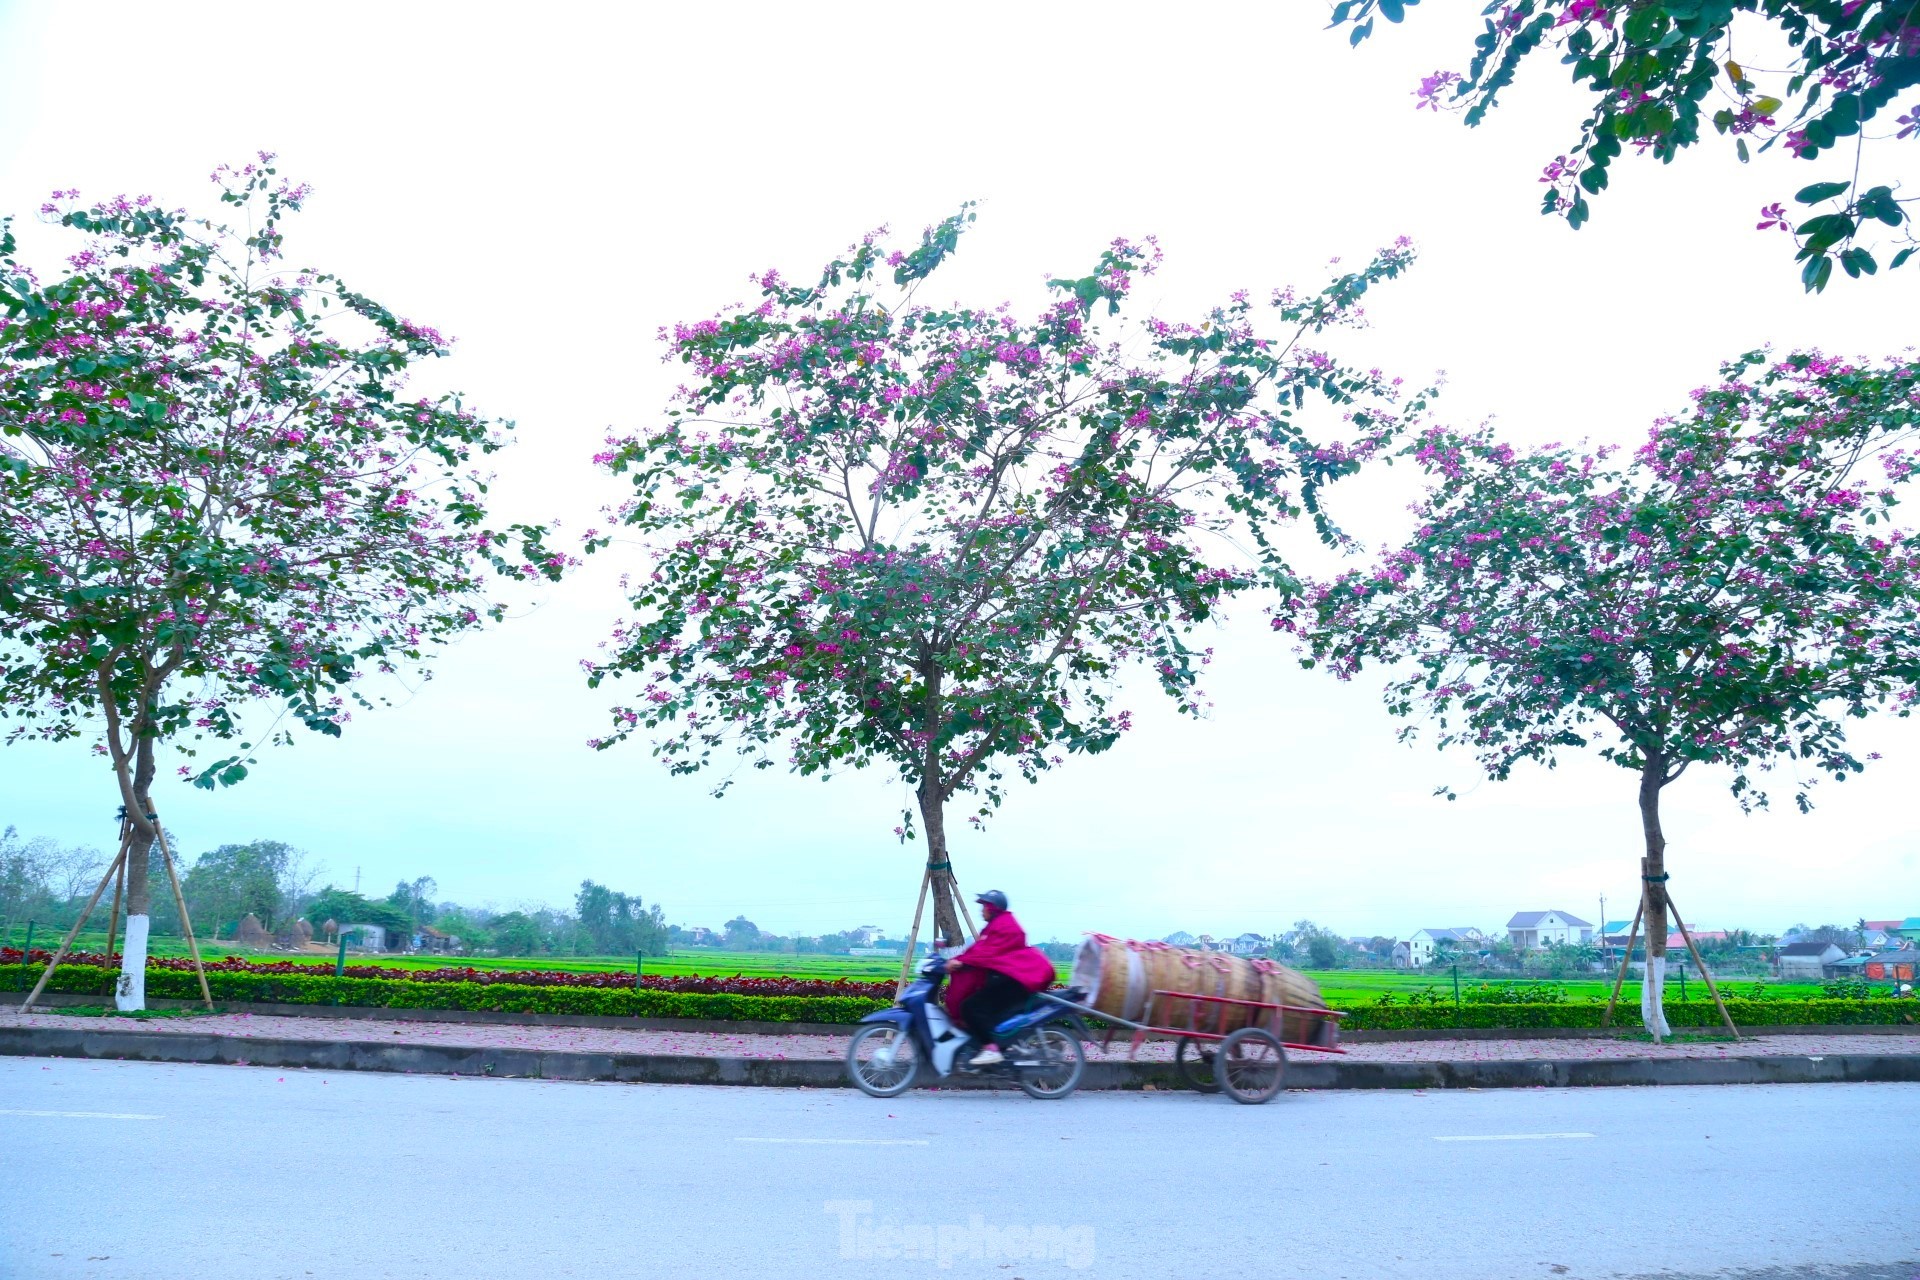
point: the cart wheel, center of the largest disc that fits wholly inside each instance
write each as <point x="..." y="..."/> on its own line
<point x="1196" y="1065"/>
<point x="1250" y="1065"/>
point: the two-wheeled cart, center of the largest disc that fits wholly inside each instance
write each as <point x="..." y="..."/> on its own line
<point x="1231" y="1046"/>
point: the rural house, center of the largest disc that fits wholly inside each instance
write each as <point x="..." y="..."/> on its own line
<point x="1900" y="966"/>
<point x="1677" y="941"/>
<point x="433" y="940"/>
<point x="1247" y="944"/>
<point x="372" y="937"/>
<point x="1538" y="930"/>
<point x="1910" y="929"/>
<point x="1425" y="942"/>
<point x="1808" y="961"/>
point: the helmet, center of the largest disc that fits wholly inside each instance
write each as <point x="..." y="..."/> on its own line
<point x="992" y="898"/>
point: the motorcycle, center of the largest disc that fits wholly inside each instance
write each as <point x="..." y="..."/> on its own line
<point x="1041" y="1044"/>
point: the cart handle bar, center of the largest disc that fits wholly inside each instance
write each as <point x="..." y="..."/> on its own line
<point x="1250" y="1004"/>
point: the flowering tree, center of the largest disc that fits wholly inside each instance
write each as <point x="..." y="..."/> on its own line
<point x="1728" y="598"/>
<point x="214" y="491"/>
<point x="931" y="537"/>
<point x="1657" y="70"/>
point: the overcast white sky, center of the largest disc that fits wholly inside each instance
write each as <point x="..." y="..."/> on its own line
<point x="552" y="183"/>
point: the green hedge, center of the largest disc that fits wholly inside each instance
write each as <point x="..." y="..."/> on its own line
<point x="383" y="993"/>
<point x="386" y="993"/>
<point x="1746" y="1013"/>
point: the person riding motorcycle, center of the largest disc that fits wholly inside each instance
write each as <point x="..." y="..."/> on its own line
<point x="992" y="978"/>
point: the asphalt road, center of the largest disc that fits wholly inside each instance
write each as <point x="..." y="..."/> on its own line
<point x="151" y="1171"/>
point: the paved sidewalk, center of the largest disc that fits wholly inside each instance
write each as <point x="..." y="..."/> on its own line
<point x="706" y="1044"/>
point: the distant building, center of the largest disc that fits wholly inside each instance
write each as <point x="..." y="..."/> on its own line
<point x="1424" y="943"/>
<point x="1403" y="955"/>
<point x="432" y="940"/>
<point x="1247" y="944"/>
<point x="1910" y="929"/>
<point x="1676" y="941"/>
<point x="371" y="937"/>
<point x="1538" y="930"/>
<point x="1808" y="961"/>
<point x="1901" y="966"/>
<point x="1179" y="938"/>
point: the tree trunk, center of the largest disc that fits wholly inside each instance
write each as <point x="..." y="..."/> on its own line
<point x="933" y="821"/>
<point x="1653" y="873"/>
<point x="131" y="991"/>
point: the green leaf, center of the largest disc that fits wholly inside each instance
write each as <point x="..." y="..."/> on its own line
<point x="1816" y="273"/>
<point x="1820" y="191"/>
<point x="1826" y="230"/>
<point x="1900" y="258"/>
<point x="1879" y="202"/>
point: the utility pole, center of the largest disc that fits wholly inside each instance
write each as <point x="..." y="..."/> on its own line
<point x="356" y="879"/>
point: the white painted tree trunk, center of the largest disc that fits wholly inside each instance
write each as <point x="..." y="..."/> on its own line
<point x="1653" y="1009"/>
<point x="131" y="993"/>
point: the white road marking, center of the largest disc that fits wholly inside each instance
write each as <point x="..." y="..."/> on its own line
<point x="845" y="1142"/>
<point x="1508" y="1137"/>
<point x="82" y="1115"/>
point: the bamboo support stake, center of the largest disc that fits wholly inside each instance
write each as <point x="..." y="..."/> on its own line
<point x="913" y="934"/>
<point x="960" y="899"/>
<point x="119" y="890"/>
<point x="26" y="1006"/>
<point x="180" y="901"/>
<point x="1626" y="959"/>
<point x="1701" y="965"/>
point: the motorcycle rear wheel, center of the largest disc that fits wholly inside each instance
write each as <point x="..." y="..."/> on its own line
<point x="1063" y="1062"/>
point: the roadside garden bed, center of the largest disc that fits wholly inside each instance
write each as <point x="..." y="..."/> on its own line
<point x="744" y="999"/>
<point x="603" y="979"/>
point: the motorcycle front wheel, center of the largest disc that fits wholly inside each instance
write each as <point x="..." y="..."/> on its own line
<point x="882" y="1060"/>
<point x="1060" y="1062"/>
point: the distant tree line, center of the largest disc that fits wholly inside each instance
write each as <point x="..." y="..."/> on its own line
<point x="48" y="883"/>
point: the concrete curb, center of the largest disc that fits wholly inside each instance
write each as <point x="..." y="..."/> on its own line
<point x="653" y="1068"/>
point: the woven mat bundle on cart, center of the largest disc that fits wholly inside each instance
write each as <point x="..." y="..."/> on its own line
<point x="1122" y="975"/>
